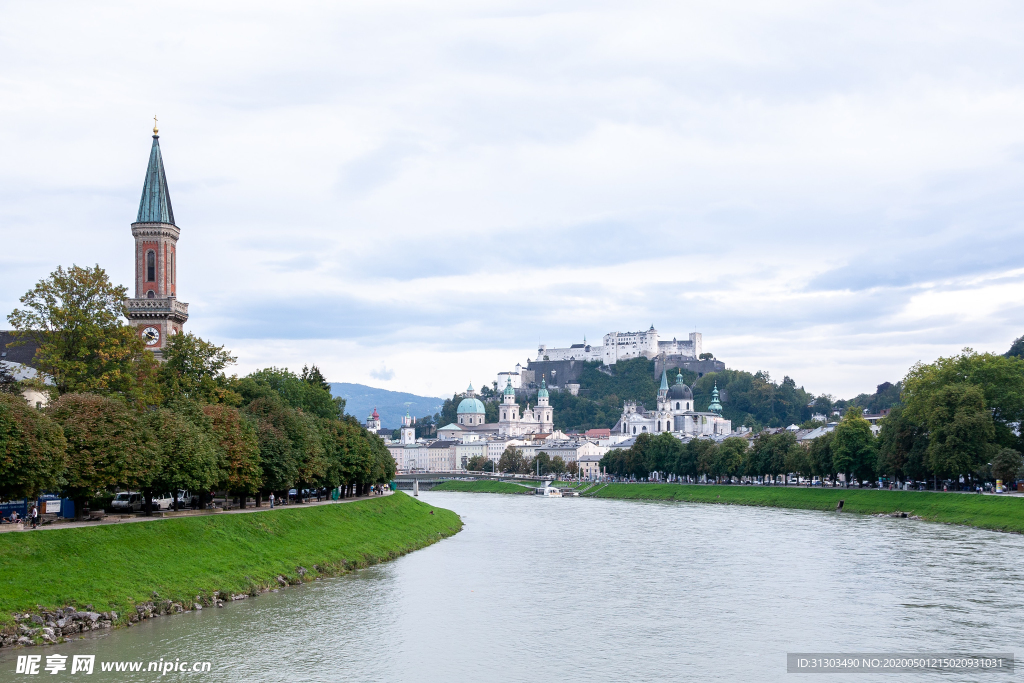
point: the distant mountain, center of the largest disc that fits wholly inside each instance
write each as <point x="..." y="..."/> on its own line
<point x="360" y="400"/>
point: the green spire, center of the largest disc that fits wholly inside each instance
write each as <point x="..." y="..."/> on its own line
<point x="715" y="406"/>
<point x="543" y="391"/>
<point x="155" y="206"/>
<point x="664" y="380"/>
<point x="509" y="391"/>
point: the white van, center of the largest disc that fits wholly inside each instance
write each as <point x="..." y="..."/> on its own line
<point x="162" y="501"/>
<point x="128" y="501"/>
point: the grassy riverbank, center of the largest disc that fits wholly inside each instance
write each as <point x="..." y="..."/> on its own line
<point x="1001" y="513"/>
<point x="483" y="486"/>
<point x="113" y="567"/>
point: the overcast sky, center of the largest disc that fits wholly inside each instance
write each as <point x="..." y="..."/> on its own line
<point x="414" y="195"/>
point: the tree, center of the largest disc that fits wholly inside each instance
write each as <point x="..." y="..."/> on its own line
<point x="960" y="429"/>
<point x="557" y="466"/>
<point x="853" y="447"/>
<point x="820" y="456"/>
<point x="512" y="461"/>
<point x="729" y="456"/>
<point x="902" y="444"/>
<point x="279" y="459"/>
<point x="33" y="456"/>
<point x="999" y="378"/>
<point x="185" y="454"/>
<point x="107" y="448"/>
<point x="310" y="397"/>
<point x="1007" y="464"/>
<point x="239" y="446"/>
<point x="194" y="368"/>
<point x="539" y="464"/>
<point x="573" y="468"/>
<point x="75" y="317"/>
<point x="477" y="463"/>
<point x="1017" y="348"/>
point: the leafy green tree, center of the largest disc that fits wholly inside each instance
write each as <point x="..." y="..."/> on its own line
<point x="194" y="368"/>
<point x="557" y="466"/>
<point x="1000" y="379"/>
<point x="770" y="452"/>
<point x="512" y="461"/>
<point x="539" y="464"/>
<point x="663" y="453"/>
<point x="239" y="446"/>
<point x="75" y="317"/>
<point x="1007" y="464"/>
<point x="853" y="446"/>
<point x="33" y="456"/>
<point x="961" y="430"/>
<point x="295" y="392"/>
<point x="279" y="458"/>
<point x="477" y="463"/>
<point x="729" y="456"/>
<point x="1017" y="348"/>
<point x="820" y="455"/>
<point x="902" y="445"/>
<point x="185" y="455"/>
<point x="107" y="447"/>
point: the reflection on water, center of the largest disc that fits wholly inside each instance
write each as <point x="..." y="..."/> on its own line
<point x="599" y="590"/>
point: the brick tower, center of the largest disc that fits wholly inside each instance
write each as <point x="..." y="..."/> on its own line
<point x="155" y="310"/>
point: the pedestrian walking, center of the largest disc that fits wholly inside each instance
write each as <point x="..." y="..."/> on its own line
<point x="271" y="500"/>
<point x="35" y="516"/>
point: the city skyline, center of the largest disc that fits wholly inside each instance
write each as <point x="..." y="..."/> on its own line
<point x="530" y="174"/>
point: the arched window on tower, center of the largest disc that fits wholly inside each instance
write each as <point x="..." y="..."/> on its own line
<point x="172" y="267"/>
<point x="150" y="266"/>
<point x="151" y="294"/>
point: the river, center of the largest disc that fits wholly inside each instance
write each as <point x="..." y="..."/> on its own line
<point x="603" y="590"/>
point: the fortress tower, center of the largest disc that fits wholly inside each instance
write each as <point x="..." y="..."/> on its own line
<point x="155" y="310"/>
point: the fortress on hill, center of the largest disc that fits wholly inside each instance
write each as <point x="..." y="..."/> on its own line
<point x="562" y="366"/>
<point x="623" y="345"/>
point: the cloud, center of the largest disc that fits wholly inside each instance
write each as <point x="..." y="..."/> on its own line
<point x="382" y="373"/>
<point x="828" y="191"/>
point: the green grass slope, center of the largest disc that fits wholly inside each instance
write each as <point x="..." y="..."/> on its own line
<point x="1001" y="513"/>
<point x="115" y="566"/>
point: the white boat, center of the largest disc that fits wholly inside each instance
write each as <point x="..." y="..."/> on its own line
<point x="549" y="491"/>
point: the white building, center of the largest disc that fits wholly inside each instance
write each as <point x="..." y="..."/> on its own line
<point x="623" y="345"/>
<point x="537" y="420"/>
<point x="514" y="377"/>
<point x="674" y="413"/>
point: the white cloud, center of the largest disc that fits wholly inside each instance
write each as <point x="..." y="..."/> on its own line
<point x="830" y="191"/>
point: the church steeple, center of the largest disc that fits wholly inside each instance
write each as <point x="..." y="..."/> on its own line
<point x="155" y="206"/>
<point x="155" y="310"/>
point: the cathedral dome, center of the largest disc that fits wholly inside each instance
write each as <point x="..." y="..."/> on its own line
<point x="470" y="405"/>
<point x="679" y="391"/>
<point x="543" y="391"/>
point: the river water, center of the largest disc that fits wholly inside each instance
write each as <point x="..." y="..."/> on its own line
<point x="603" y="590"/>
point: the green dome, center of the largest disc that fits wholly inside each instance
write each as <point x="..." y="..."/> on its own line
<point x="509" y="391"/>
<point x="471" y="405"/>
<point x="543" y="391"/>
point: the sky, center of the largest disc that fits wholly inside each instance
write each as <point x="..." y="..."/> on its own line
<point x="414" y="195"/>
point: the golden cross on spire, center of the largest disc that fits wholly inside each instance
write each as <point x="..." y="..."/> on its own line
<point x="155" y="131"/>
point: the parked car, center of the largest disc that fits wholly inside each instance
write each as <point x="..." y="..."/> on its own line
<point x="162" y="501"/>
<point x="128" y="501"/>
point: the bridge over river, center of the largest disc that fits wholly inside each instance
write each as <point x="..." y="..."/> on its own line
<point x="428" y="480"/>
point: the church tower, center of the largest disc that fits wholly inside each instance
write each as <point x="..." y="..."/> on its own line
<point x="508" y="418"/>
<point x="155" y="310"/>
<point x="543" y="410"/>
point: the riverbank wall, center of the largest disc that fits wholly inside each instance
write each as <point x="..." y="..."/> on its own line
<point x="56" y="584"/>
<point x="994" y="512"/>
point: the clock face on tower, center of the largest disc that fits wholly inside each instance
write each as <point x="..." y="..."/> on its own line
<point x="151" y="336"/>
